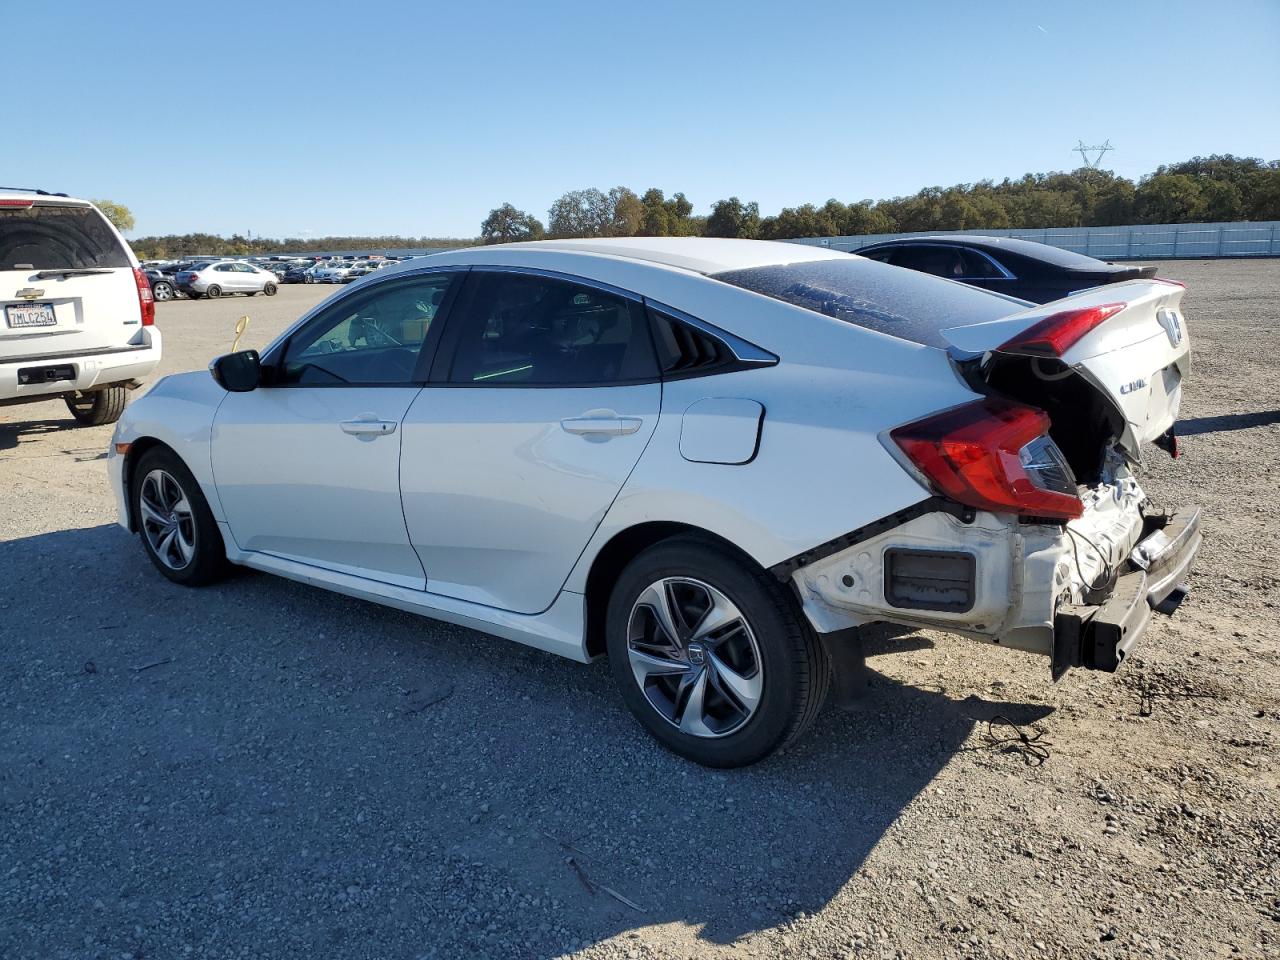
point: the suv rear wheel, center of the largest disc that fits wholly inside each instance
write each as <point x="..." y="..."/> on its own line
<point x="711" y="654"/>
<point x="99" y="407"/>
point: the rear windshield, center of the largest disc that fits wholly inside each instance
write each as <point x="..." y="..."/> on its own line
<point x="902" y="303"/>
<point x="46" y="237"/>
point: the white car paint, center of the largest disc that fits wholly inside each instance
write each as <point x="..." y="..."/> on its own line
<point x="505" y="509"/>
<point x="98" y="331"/>
<point x="229" y="276"/>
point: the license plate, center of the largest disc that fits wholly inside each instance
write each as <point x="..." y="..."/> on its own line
<point x="30" y="315"/>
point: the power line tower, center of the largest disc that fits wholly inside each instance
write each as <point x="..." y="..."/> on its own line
<point x="1100" y="150"/>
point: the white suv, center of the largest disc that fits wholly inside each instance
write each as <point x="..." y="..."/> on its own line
<point x="77" y="312"/>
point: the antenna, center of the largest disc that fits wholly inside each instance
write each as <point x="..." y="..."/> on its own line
<point x="1084" y="152"/>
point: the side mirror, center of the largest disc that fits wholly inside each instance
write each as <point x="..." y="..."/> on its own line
<point x="237" y="372"/>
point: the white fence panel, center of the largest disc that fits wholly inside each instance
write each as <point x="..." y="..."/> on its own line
<point x="1135" y="242"/>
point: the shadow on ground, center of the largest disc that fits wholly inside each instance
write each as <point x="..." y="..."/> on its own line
<point x="268" y="767"/>
<point x="1231" y="421"/>
<point x="11" y="434"/>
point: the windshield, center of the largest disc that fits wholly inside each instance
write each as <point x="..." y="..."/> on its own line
<point x="48" y="237"/>
<point x="902" y="303"/>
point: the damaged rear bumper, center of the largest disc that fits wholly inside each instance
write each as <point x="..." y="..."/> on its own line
<point x="1100" y="637"/>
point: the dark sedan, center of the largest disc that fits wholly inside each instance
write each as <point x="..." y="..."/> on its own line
<point x="1020" y="268"/>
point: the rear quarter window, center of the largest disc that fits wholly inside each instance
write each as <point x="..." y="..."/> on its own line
<point x="50" y="237"/>
<point x="901" y="303"/>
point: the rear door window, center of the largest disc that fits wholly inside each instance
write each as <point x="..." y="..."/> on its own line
<point x="939" y="261"/>
<point x="50" y="236"/>
<point x="526" y="329"/>
<point x="901" y="303"/>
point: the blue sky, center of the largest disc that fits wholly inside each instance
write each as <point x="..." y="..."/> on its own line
<point x="416" y="119"/>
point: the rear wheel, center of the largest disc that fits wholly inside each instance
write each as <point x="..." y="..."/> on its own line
<point x="99" y="407"/>
<point x="162" y="291"/>
<point x="174" y="521"/>
<point x="214" y="291"/>
<point x="269" y="289"/>
<point x="711" y="654"/>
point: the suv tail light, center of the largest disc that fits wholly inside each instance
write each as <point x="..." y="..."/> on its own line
<point x="994" y="455"/>
<point x="1059" y="332"/>
<point x="146" y="301"/>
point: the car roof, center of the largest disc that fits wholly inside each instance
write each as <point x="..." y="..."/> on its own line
<point x="703" y="255"/>
<point x="1016" y="245"/>
<point x="41" y="196"/>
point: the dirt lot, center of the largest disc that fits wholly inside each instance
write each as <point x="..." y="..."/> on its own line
<point x="264" y="769"/>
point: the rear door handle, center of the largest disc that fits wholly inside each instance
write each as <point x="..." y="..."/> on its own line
<point x="368" y="428"/>
<point x="601" y="426"/>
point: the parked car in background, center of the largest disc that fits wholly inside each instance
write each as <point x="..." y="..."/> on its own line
<point x="163" y="285"/>
<point x="1019" y="268"/>
<point x="361" y="268"/>
<point x="78" y="312"/>
<point x="224" y="277"/>
<point x="332" y="271"/>
<point x="713" y="460"/>
<point x="297" y="272"/>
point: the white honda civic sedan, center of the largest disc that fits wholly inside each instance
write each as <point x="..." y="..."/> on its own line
<point x="712" y="461"/>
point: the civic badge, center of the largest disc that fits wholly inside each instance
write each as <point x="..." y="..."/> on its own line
<point x="1172" y="324"/>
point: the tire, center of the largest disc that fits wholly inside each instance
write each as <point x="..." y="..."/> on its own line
<point x="162" y="291"/>
<point x="99" y="407"/>
<point x="269" y="289"/>
<point x="166" y="499"/>
<point x="213" y="292"/>
<point x="757" y="682"/>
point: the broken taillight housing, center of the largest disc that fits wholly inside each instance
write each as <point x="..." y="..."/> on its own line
<point x="993" y="455"/>
<point x="1059" y="332"/>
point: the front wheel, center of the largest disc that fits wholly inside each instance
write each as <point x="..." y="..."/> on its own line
<point x="269" y="289"/>
<point x="174" y="520"/>
<point x="162" y="291"/>
<point x="99" y="407"/>
<point x="711" y="654"/>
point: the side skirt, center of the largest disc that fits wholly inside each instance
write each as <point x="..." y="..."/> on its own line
<point x="558" y="630"/>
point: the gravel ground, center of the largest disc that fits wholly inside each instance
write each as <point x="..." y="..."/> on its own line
<point x="263" y="769"/>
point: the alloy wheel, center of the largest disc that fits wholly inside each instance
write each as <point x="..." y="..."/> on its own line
<point x="695" y="657"/>
<point x="167" y="519"/>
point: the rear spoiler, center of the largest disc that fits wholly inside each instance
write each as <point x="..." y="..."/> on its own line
<point x="979" y="338"/>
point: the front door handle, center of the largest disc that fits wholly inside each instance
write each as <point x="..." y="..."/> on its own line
<point x="601" y="426"/>
<point x="368" y="428"/>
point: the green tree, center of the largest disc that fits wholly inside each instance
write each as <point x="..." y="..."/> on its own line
<point x="506" y="224"/>
<point x="119" y="215"/>
<point x="626" y="213"/>
<point x="1262" y="194"/>
<point x="1170" y="198"/>
<point x="1223" y="200"/>
<point x="733" y="218"/>
<point x="580" y="213"/>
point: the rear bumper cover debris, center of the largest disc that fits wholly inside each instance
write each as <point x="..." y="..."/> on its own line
<point x="1100" y="637"/>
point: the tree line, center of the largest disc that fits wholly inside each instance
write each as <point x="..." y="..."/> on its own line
<point x="179" y="246"/>
<point x="1202" y="189"/>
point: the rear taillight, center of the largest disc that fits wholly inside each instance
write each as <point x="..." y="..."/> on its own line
<point x="19" y="204"/>
<point x="1059" y="332"/>
<point x="993" y="455"/>
<point x="146" y="301"/>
